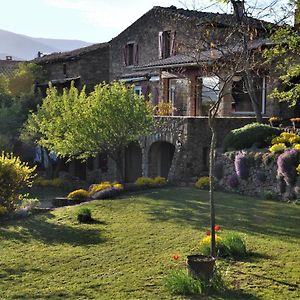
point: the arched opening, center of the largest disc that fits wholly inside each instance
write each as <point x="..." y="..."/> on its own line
<point x="133" y="162"/>
<point x="160" y="159"/>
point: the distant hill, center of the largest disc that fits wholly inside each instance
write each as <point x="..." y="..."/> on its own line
<point x="22" y="47"/>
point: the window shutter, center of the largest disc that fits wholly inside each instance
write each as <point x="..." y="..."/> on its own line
<point x="125" y="53"/>
<point x="136" y="54"/>
<point x="160" y="45"/>
<point x="173" y="43"/>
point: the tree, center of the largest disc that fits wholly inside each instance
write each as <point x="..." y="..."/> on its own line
<point x="285" y="56"/>
<point x="17" y="98"/>
<point x="76" y="125"/>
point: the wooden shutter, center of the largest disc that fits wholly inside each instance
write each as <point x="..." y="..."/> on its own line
<point x="160" y="45"/>
<point x="125" y="53"/>
<point x="173" y="43"/>
<point x="136" y="54"/>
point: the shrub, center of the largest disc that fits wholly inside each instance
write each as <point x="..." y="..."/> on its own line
<point x="241" y="165"/>
<point x="245" y="137"/>
<point x="159" y="180"/>
<point x="31" y="203"/>
<point x="14" y="176"/>
<point x="179" y="282"/>
<point x="100" y="187"/>
<point x="3" y="211"/>
<point x="84" y="215"/>
<point x="287" y="163"/>
<point x="280" y="147"/>
<point x="203" y="183"/>
<point x="227" y="245"/>
<point x="118" y="186"/>
<point x="78" y="194"/>
<point x="144" y="181"/>
<point x="233" y="181"/>
<point x="164" y="109"/>
<point x="55" y="182"/>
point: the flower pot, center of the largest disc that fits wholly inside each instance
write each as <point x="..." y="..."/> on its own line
<point x="201" y="266"/>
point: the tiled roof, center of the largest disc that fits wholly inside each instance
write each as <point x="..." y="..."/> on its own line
<point x="209" y="17"/>
<point x="207" y="56"/>
<point x="7" y="67"/>
<point x="69" y="55"/>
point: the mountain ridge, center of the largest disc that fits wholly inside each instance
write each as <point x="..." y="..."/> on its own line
<point x="23" y="47"/>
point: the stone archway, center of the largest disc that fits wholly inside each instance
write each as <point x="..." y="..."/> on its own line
<point x="133" y="162"/>
<point x="161" y="154"/>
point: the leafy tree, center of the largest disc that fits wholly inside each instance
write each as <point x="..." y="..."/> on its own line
<point x="285" y="55"/>
<point x="76" y="125"/>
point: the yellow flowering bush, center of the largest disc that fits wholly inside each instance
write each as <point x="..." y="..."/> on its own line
<point x="56" y="182"/>
<point x="277" y="147"/>
<point x="78" y="194"/>
<point x="15" y="175"/>
<point x="100" y="187"/>
<point x="159" y="180"/>
<point x="298" y="169"/>
<point x="118" y="186"/>
<point x="202" y="183"/>
<point x="144" y="181"/>
<point x="204" y="243"/>
<point x="164" y="109"/>
<point x="3" y="210"/>
<point x="297" y="147"/>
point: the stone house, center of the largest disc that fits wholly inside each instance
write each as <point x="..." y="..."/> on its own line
<point x="159" y="55"/>
<point x="8" y="66"/>
<point x="85" y="66"/>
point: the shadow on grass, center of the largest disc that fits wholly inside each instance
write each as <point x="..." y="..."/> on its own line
<point x="191" y="206"/>
<point x="39" y="228"/>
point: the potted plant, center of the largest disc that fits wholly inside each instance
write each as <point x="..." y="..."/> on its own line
<point x="201" y="266"/>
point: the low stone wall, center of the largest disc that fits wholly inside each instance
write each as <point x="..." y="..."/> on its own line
<point x="258" y="176"/>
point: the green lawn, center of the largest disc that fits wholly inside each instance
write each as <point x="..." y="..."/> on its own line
<point x="127" y="251"/>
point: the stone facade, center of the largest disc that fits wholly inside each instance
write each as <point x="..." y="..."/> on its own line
<point x="88" y="65"/>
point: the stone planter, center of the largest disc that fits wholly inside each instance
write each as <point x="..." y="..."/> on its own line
<point x="201" y="266"/>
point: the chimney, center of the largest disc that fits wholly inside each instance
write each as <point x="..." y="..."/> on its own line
<point x="8" y="57"/>
<point x="239" y="9"/>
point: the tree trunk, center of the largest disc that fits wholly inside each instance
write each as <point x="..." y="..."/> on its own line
<point x="211" y="186"/>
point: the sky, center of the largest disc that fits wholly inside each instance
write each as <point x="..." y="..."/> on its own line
<point x="87" y="20"/>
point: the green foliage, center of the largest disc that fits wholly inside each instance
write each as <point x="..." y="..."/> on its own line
<point x="84" y="215"/>
<point x="77" y="125"/>
<point x="203" y="183"/>
<point x="159" y="180"/>
<point x="227" y="245"/>
<point x="179" y="282"/>
<point x="55" y="182"/>
<point x="249" y="135"/>
<point x="14" y="175"/>
<point x="31" y="203"/>
<point x="284" y="54"/>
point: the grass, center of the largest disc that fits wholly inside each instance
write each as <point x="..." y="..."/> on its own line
<point x="127" y="251"/>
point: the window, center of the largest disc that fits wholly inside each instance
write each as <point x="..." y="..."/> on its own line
<point x="166" y="44"/>
<point x="209" y="89"/>
<point x="131" y="54"/>
<point x="178" y="95"/>
<point x="241" y="98"/>
<point x="138" y="90"/>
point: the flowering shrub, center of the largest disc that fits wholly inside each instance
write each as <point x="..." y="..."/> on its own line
<point x="3" y="210"/>
<point x="287" y="163"/>
<point x="227" y="245"/>
<point x="78" y="194"/>
<point x="164" y="109"/>
<point x="144" y="181"/>
<point x="118" y="186"/>
<point x="297" y="147"/>
<point x="280" y="147"/>
<point x="100" y="187"/>
<point x="286" y="138"/>
<point x="159" y="180"/>
<point x="55" y="182"/>
<point x="233" y="181"/>
<point x="203" y="183"/>
<point x="14" y="176"/>
<point x="241" y="165"/>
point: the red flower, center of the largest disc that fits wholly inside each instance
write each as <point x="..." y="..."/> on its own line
<point x="217" y="227"/>
<point x="175" y="257"/>
<point x="208" y="232"/>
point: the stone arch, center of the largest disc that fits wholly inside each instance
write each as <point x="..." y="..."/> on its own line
<point x="160" y="158"/>
<point x="133" y="162"/>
